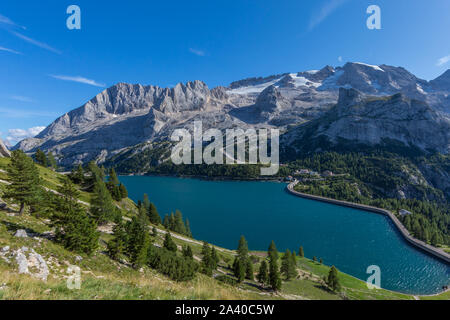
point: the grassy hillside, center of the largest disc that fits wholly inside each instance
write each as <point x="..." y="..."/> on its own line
<point x="104" y="278"/>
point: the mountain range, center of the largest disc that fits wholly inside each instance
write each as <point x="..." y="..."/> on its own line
<point x="357" y="103"/>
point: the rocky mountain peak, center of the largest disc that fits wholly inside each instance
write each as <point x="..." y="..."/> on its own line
<point x="270" y="99"/>
<point x="442" y="82"/>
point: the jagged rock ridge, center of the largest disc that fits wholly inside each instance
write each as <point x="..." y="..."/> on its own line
<point x="125" y="116"/>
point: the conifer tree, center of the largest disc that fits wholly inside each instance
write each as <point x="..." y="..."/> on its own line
<point x="102" y="207"/>
<point x="153" y="214"/>
<point x="51" y="161"/>
<point x="263" y="275"/>
<point x="172" y="224"/>
<point x="214" y="258"/>
<point x="123" y="191"/>
<point x="113" y="177"/>
<point x="301" y="253"/>
<point x="249" y="270"/>
<point x="166" y="222"/>
<point x="41" y="158"/>
<point x="146" y="202"/>
<point x="154" y="232"/>
<point x="274" y="273"/>
<point x="272" y="251"/>
<point x="188" y="229"/>
<point x="207" y="263"/>
<point x="77" y="175"/>
<point x="287" y="265"/>
<point x="333" y="279"/>
<point x="117" y="246"/>
<point x="178" y="223"/>
<point x="169" y="244"/>
<point x="74" y="228"/>
<point x="239" y="269"/>
<point x="24" y="180"/>
<point x="241" y="265"/>
<point x="138" y="242"/>
<point x="187" y="252"/>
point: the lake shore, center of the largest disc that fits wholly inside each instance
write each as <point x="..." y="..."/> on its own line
<point x="403" y="231"/>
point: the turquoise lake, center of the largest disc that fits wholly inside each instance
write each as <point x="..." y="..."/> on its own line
<point x="221" y="211"/>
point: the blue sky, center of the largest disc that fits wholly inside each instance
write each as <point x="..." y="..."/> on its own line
<point x="47" y="70"/>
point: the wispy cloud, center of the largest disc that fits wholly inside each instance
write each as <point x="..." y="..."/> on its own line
<point x="36" y="43"/>
<point x="21" y="98"/>
<point x="10" y="50"/>
<point x="17" y="113"/>
<point x="16" y="135"/>
<point x="79" y="80"/>
<point x="7" y="21"/>
<point x="324" y="12"/>
<point x="197" y="52"/>
<point x="443" y="60"/>
<point x="340" y="58"/>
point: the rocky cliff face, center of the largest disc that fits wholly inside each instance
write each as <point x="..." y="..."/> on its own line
<point x="4" y="152"/>
<point x="125" y="116"/>
<point x="360" y="119"/>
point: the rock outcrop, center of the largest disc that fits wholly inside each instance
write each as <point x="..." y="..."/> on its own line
<point x="366" y="120"/>
<point x="4" y="152"/>
<point x="27" y="260"/>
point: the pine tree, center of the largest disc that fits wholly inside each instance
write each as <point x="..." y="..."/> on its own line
<point x="74" y="228"/>
<point x="123" y="191"/>
<point x="263" y="275"/>
<point x="274" y="273"/>
<point x="142" y="215"/>
<point x="172" y="224"/>
<point x="138" y="242"/>
<point x="166" y="222"/>
<point x="239" y="269"/>
<point x="249" y="274"/>
<point x="241" y="263"/>
<point x="154" y="232"/>
<point x="272" y="251"/>
<point x="207" y="261"/>
<point x="146" y="202"/>
<point x="301" y="253"/>
<point x="94" y="174"/>
<point x="77" y="175"/>
<point x="153" y="214"/>
<point x="285" y="261"/>
<point x="314" y="259"/>
<point x="333" y="280"/>
<point x="41" y="158"/>
<point x="178" y="223"/>
<point x="187" y="252"/>
<point x="24" y="180"/>
<point x="102" y="207"/>
<point x="214" y="258"/>
<point x="188" y="229"/>
<point x="169" y="244"/>
<point x="51" y="161"/>
<point x="117" y="246"/>
<point x="113" y="177"/>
